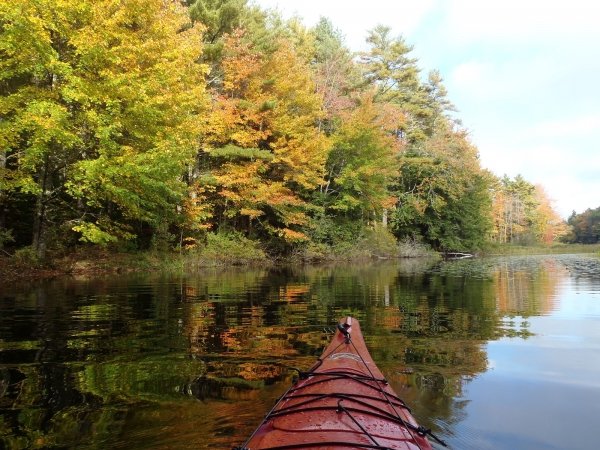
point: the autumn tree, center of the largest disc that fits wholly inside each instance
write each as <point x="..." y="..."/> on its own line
<point x="523" y="213"/>
<point x="37" y="138"/>
<point x="547" y="225"/>
<point x="99" y="103"/>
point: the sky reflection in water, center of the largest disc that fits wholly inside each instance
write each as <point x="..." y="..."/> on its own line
<point x="541" y="391"/>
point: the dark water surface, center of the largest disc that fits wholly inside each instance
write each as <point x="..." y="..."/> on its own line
<point x="498" y="353"/>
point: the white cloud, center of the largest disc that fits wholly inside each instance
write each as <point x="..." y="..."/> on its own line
<point x="514" y="20"/>
<point x="354" y="18"/>
<point x="468" y="73"/>
<point x="534" y="79"/>
<point x="572" y="195"/>
<point x="568" y="126"/>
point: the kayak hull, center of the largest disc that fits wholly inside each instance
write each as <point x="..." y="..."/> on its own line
<point x="343" y="401"/>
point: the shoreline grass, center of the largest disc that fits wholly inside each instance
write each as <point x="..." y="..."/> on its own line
<point x="229" y="251"/>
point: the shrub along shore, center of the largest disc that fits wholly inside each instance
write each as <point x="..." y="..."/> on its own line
<point x="219" y="250"/>
<point x="224" y="251"/>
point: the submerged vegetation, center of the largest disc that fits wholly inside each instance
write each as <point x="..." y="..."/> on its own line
<point x="221" y="131"/>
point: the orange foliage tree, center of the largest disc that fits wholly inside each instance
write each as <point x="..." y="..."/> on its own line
<point x="262" y="152"/>
<point x="523" y="213"/>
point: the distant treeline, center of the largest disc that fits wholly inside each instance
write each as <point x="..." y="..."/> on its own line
<point x="584" y="227"/>
<point x="141" y="124"/>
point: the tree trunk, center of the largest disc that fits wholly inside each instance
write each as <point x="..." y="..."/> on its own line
<point x="3" y="205"/>
<point x="39" y="220"/>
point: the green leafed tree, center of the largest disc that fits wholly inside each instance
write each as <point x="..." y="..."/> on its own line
<point x="219" y="18"/>
<point x="443" y="194"/>
<point x="437" y="103"/>
<point x="361" y="164"/>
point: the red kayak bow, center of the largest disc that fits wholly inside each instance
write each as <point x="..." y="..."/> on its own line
<point x="343" y="401"/>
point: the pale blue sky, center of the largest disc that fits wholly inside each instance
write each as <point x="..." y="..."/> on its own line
<point x="524" y="75"/>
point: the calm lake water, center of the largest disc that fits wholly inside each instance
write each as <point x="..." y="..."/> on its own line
<point x="495" y="353"/>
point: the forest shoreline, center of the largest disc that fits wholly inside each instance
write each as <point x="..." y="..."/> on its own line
<point x="91" y="262"/>
<point x="101" y="263"/>
<point x="250" y="125"/>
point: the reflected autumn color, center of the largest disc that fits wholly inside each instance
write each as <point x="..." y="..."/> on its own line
<point x="518" y="291"/>
<point x="197" y="360"/>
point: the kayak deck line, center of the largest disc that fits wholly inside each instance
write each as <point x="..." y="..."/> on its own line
<point x="319" y="445"/>
<point x="343" y="400"/>
<point x="349" y="376"/>
<point x="355" y="397"/>
<point x="354" y="375"/>
<point x="337" y="407"/>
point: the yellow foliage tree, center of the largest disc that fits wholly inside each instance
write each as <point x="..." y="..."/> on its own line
<point x="547" y="223"/>
<point x="100" y="103"/>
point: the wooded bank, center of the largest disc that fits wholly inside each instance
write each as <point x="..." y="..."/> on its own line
<point x="151" y="125"/>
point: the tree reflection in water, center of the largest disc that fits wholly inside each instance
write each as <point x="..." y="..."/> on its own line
<point x="196" y="361"/>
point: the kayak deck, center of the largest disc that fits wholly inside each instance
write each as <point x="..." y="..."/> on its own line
<point x="343" y="401"/>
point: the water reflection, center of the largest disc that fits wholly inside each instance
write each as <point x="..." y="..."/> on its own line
<point x="196" y="361"/>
